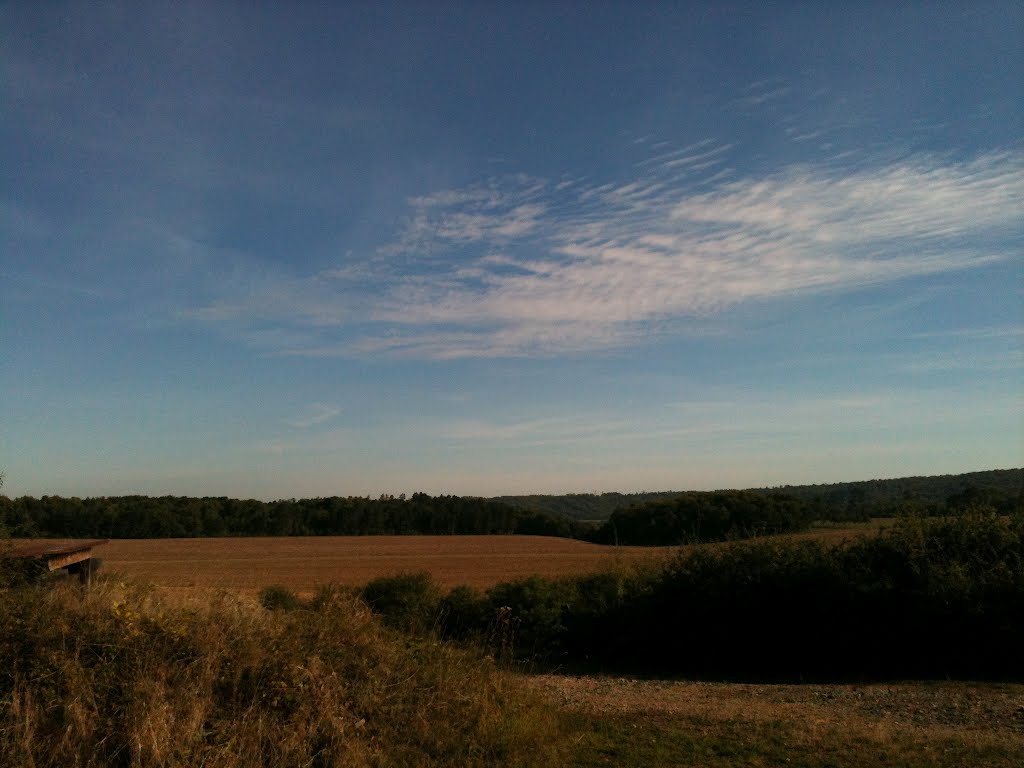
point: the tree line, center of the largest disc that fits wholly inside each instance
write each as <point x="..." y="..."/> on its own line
<point x="130" y="517"/>
<point x="1001" y="489"/>
<point x="851" y="501"/>
<point x="686" y="518"/>
<point x="694" y="517"/>
<point x="665" y="520"/>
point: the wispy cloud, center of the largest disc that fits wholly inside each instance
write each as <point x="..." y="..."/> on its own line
<point x="761" y="92"/>
<point x="272" y="447"/>
<point x="974" y="362"/>
<point x="783" y="417"/>
<point x="973" y="333"/>
<point x="313" y="414"/>
<point x="520" y="266"/>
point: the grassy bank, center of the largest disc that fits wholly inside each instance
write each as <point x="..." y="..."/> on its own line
<point x="120" y="678"/>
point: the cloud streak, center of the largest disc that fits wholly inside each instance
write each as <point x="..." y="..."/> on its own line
<point x="312" y="415"/>
<point x="520" y="266"/>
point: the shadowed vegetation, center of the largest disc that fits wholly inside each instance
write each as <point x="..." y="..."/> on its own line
<point x="927" y="598"/>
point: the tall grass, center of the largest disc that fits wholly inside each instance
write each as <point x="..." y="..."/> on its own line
<point x="119" y="677"/>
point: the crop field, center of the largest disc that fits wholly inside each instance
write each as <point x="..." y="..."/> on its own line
<point x="303" y="563"/>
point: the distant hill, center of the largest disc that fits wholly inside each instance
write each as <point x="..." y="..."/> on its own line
<point x="995" y="486"/>
<point x="840" y="498"/>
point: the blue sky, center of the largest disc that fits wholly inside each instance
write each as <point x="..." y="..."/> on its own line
<point x="507" y="248"/>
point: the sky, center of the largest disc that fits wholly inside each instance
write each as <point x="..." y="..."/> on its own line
<point x="292" y="250"/>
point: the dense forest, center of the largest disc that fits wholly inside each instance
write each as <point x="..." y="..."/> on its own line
<point x="836" y="501"/>
<point x="585" y="506"/>
<point x="1002" y="489"/>
<point x="695" y="516"/>
<point x="128" y="517"/>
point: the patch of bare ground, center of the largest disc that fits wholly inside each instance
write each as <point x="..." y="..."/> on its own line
<point x="960" y="705"/>
<point x="700" y="723"/>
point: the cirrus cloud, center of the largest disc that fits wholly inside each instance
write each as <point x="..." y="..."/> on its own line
<point x="520" y="266"/>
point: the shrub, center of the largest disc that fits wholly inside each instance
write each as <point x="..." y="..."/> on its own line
<point x="278" y="598"/>
<point x="407" y="601"/>
<point x="527" y="616"/>
<point x="19" y="572"/>
<point x="463" y="614"/>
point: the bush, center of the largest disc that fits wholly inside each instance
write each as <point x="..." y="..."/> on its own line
<point x="536" y="619"/>
<point x="462" y="614"/>
<point x="527" y="616"/>
<point x="278" y="598"/>
<point x="19" y="572"/>
<point x="408" y="601"/>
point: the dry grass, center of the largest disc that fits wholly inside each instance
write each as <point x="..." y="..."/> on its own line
<point x="121" y="677"/>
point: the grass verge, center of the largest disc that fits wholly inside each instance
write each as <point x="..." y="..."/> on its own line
<point x="120" y="677"/>
<point x="658" y="723"/>
<point x="661" y="741"/>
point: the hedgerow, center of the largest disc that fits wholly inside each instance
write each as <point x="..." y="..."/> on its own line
<point x="927" y="598"/>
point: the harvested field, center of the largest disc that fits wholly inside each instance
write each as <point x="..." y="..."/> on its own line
<point x="303" y="563"/>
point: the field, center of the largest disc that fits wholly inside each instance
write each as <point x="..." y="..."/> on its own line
<point x="303" y="563"/>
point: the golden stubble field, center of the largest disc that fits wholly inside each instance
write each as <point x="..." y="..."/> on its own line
<point x="304" y="563"/>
